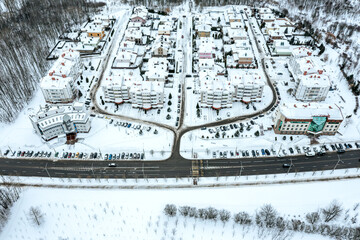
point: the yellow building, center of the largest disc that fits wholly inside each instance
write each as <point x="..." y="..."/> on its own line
<point x="96" y="31"/>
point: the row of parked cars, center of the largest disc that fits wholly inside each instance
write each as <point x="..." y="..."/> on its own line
<point x="123" y="155"/>
<point x="29" y="154"/>
<point x="244" y="153"/>
<point x="319" y="151"/>
<point x="134" y="126"/>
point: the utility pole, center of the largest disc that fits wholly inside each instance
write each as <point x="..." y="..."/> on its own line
<point x="337" y="163"/>
<point x="92" y="169"/>
<point x="291" y="165"/>
<point x="47" y="170"/>
<point x="241" y="168"/>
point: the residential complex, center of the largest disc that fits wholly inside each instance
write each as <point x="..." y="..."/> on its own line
<point x="310" y="119"/>
<point x="61" y="121"/>
<point x="58" y="86"/>
<point x="128" y="89"/>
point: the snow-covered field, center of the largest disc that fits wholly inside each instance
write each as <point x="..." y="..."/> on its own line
<point x="138" y="214"/>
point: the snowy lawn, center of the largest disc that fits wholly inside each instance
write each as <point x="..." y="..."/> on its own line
<point x="138" y="214"/>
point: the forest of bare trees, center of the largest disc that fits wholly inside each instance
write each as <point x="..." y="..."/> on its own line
<point x="28" y="29"/>
<point x="9" y="194"/>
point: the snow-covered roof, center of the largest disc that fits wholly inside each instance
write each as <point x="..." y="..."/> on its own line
<point x="206" y="63"/>
<point x="242" y="53"/>
<point x="158" y="68"/>
<point x="147" y="87"/>
<point x="207" y="75"/>
<point x="216" y="85"/>
<point x="120" y="80"/>
<point x="315" y="80"/>
<point x="264" y="10"/>
<point x="51" y="115"/>
<point x="125" y="58"/>
<point x="133" y="33"/>
<point x="203" y="28"/>
<point x="310" y="110"/>
<point x="93" y="28"/>
<point x="62" y="71"/>
<point x="242" y="78"/>
<point x="300" y="52"/>
<point x="307" y="65"/>
<point x="127" y="45"/>
<point x="267" y="16"/>
<point x="236" y="24"/>
<point x="237" y="33"/>
<point x="281" y="44"/>
<point x="241" y="44"/>
<point x="284" y="22"/>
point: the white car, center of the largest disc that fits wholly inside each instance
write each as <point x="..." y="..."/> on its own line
<point x="310" y="154"/>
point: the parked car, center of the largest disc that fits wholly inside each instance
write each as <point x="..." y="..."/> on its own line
<point x="6" y="152"/>
<point x="106" y="156"/>
<point x="263" y="152"/>
<point x="291" y="150"/>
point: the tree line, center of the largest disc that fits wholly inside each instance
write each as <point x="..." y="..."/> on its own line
<point x="28" y="30"/>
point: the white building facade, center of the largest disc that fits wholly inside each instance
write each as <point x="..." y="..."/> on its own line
<point x="215" y="92"/>
<point x="247" y="87"/>
<point x="60" y="121"/>
<point x="147" y="95"/>
<point x="307" y="119"/>
<point x="58" y="86"/>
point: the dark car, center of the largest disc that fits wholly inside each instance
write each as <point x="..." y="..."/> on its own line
<point x="333" y="147"/>
<point x="253" y="153"/>
<point x="287" y="165"/>
<point x="262" y="151"/>
<point x="267" y="152"/>
<point x="349" y="145"/>
<point x="112" y="165"/>
<point x="341" y="151"/>
<point x="6" y="152"/>
<point x="291" y="150"/>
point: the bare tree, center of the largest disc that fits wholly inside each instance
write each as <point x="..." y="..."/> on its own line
<point x="36" y="216"/>
<point x="224" y="215"/>
<point x="170" y="210"/>
<point x="313" y="217"/>
<point x="242" y="218"/>
<point x="266" y="216"/>
<point x="332" y="212"/>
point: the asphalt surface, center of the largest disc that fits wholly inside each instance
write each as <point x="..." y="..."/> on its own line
<point x="177" y="167"/>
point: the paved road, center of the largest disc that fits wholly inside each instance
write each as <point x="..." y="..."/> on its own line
<point x="176" y="167"/>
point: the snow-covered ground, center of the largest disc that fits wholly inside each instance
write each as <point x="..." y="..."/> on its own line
<point x="138" y="214"/>
<point x="20" y="135"/>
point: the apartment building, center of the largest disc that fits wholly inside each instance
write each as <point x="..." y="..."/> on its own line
<point x="248" y="87"/>
<point x="117" y="88"/>
<point x="216" y="91"/>
<point x="311" y="83"/>
<point x="58" y="86"/>
<point x="61" y="121"/>
<point x="307" y="119"/>
<point x="147" y="95"/>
